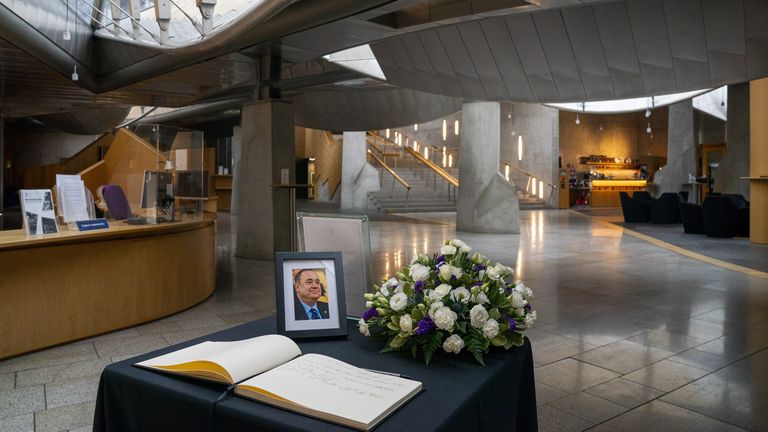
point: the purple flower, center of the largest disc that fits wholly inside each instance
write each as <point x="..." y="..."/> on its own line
<point x="478" y="267"/>
<point x="512" y="323"/>
<point x="440" y="259"/>
<point x="370" y="313"/>
<point x="425" y="326"/>
<point x="527" y="307"/>
<point x="418" y="286"/>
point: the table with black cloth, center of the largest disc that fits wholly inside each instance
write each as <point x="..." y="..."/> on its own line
<point x="459" y="395"/>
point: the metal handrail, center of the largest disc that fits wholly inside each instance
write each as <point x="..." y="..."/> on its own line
<point x="527" y="173"/>
<point x="373" y="144"/>
<point x="433" y="166"/>
<point x="390" y="170"/>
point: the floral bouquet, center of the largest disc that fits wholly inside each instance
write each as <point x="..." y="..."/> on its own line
<point x="451" y="300"/>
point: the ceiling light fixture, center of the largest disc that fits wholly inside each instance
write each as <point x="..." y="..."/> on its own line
<point x="520" y="148"/>
<point x="445" y="129"/>
<point x="455" y="127"/>
<point x="648" y="129"/>
<point x="416" y="126"/>
<point x="75" y="76"/>
<point x="387" y="133"/>
<point x="67" y="35"/>
<point x="577" y="119"/>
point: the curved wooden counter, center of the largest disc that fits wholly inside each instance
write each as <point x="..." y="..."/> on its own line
<point x="72" y="285"/>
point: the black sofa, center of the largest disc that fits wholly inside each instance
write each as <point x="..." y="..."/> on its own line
<point x="634" y="210"/>
<point x="726" y="216"/>
<point x="692" y="216"/>
<point x="665" y="209"/>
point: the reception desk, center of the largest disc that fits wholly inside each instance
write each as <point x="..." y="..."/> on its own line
<point x="605" y="193"/>
<point x="72" y="285"/>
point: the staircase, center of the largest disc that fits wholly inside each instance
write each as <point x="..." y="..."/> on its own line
<point x="427" y="194"/>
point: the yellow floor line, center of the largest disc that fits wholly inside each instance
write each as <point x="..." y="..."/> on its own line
<point x="606" y="220"/>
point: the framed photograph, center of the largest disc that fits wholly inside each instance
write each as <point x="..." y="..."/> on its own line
<point x="310" y="294"/>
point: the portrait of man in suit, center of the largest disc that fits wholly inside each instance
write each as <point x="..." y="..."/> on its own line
<point x="308" y="289"/>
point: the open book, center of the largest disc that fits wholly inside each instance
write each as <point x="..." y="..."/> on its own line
<point x="271" y="369"/>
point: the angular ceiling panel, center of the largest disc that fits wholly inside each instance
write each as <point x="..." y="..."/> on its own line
<point x="691" y="74"/>
<point x="557" y="48"/>
<point x="438" y="58"/>
<point x="506" y="58"/>
<point x="650" y="31"/>
<point x="532" y="56"/>
<point x="724" y="26"/>
<point x="722" y="65"/>
<point x="685" y="25"/>
<point x="483" y="59"/>
<point x="588" y="53"/>
<point x="456" y="51"/>
<point x="619" y="46"/>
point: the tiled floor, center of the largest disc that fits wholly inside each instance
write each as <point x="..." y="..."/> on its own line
<point x="630" y="337"/>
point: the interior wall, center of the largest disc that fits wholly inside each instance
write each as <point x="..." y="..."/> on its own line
<point x="36" y="147"/>
<point x="327" y="153"/>
<point x="614" y="135"/>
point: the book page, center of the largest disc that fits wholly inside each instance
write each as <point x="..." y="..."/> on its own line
<point x="331" y="386"/>
<point x="37" y="208"/>
<point x="71" y="192"/>
<point x="227" y="361"/>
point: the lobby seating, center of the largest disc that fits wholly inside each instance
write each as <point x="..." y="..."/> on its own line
<point x="665" y="209"/>
<point x="643" y="196"/>
<point x="634" y="210"/>
<point x="692" y="217"/>
<point x="726" y="216"/>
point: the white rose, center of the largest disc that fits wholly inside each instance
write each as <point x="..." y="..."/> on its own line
<point x="481" y="298"/>
<point x="384" y="291"/>
<point x="419" y="272"/>
<point x="406" y="324"/>
<point x="517" y="300"/>
<point x="520" y="312"/>
<point x="490" y="328"/>
<point x="391" y="283"/>
<point x="369" y="304"/>
<point x="445" y="318"/>
<point x="363" y="327"/>
<point x="414" y="259"/>
<point x="453" y="344"/>
<point x="460" y="294"/>
<point x="398" y="301"/>
<point x="442" y="290"/>
<point x="529" y="319"/>
<point x="478" y="316"/>
<point x="433" y="307"/>
<point x="461" y="245"/>
<point x="447" y="270"/>
<point x="448" y="250"/>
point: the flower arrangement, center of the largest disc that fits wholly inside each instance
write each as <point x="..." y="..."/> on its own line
<point x="450" y="300"/>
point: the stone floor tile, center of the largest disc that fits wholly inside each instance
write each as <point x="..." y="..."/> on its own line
<point x="66" y="372"/>
<point x="88" y="428"/>
<point x="590" y="408"/>
<point x="546" y="394"/>
<point x="660" y="416"/>
<point x="552" y="419"/>
<point x="557" y="348"/>
<point x="624" y="356"/>
<point x="64" y="418"/>
<point x="666" y="375"/>
<point x="64" y="354"/>
<point x="198" y="323"/>
<point x="571" y="375"/>
<point x="72" y="392"/>
<point x="7" y="381"/>
<point x="700" y="359"/>
<point x="22" y="423"/>
<point x="158" y="327"/>
<point x="674" y="342"/>
<point x="737" y="345"/>
<point x="132" y="345"/>
<point x="625" y="393"/>
<point x="182" y="336"/>
<point x="697" y="328"/>
<point x="21" y="401"/>
<point x="244" y="317"/>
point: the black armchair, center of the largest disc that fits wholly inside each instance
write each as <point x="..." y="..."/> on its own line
<point x="634" y="210"/>
<point x="723" y="218"/>
<point x="665" y="209"/>
<point x="643" y="196"/>
<point x="692" y="217"/>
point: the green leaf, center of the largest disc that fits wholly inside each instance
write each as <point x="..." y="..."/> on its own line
<point x="494" y="313"/>
<point x="395" y="320"/>
<point x="392" y="327"/>
<point x="433" y="343"/>
<point x="516" y="339"/>
<point x="499" y="340"/>
<point x="417" y="314"/>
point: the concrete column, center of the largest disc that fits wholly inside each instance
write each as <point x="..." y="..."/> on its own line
<point x="681" y="150"/>
<point x="263" y="224"/>
<point x="358" y="177"/>
<point x="237" y="152"/>
<point x="735" y="164"/>
<point x="486" y="203"/>
<point x="758" y="161"/>
<point x="2" y="168"/>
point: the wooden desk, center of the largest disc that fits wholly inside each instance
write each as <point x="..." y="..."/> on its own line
<point x="72" y="285"/>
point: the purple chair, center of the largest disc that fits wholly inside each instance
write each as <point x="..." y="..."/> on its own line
<point x="116" y="202"/>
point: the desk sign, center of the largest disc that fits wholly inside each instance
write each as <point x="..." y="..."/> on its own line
<point x="92" y="224"/>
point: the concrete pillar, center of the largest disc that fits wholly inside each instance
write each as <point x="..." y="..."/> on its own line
<point x="681" y="150"/>
<point x="263" y="224"/>
<point x="486" y="203"/>
<point x="758" y="161"/>
<point x="735" y="164"/>
<point x="358" y="177"/>
<point x="237" y="152"/>
<point x="2" y="168"/>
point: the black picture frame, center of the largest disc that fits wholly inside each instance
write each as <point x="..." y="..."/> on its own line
<point x="320" y="268"/>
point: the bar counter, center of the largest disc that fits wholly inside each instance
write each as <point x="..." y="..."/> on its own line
<point x="605" y="193"/>
<point x="72" y="285"/>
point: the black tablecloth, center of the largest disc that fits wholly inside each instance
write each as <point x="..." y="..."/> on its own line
<point x="459" y="395"/>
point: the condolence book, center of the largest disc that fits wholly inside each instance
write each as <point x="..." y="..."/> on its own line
<point x="271" y="369"/>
